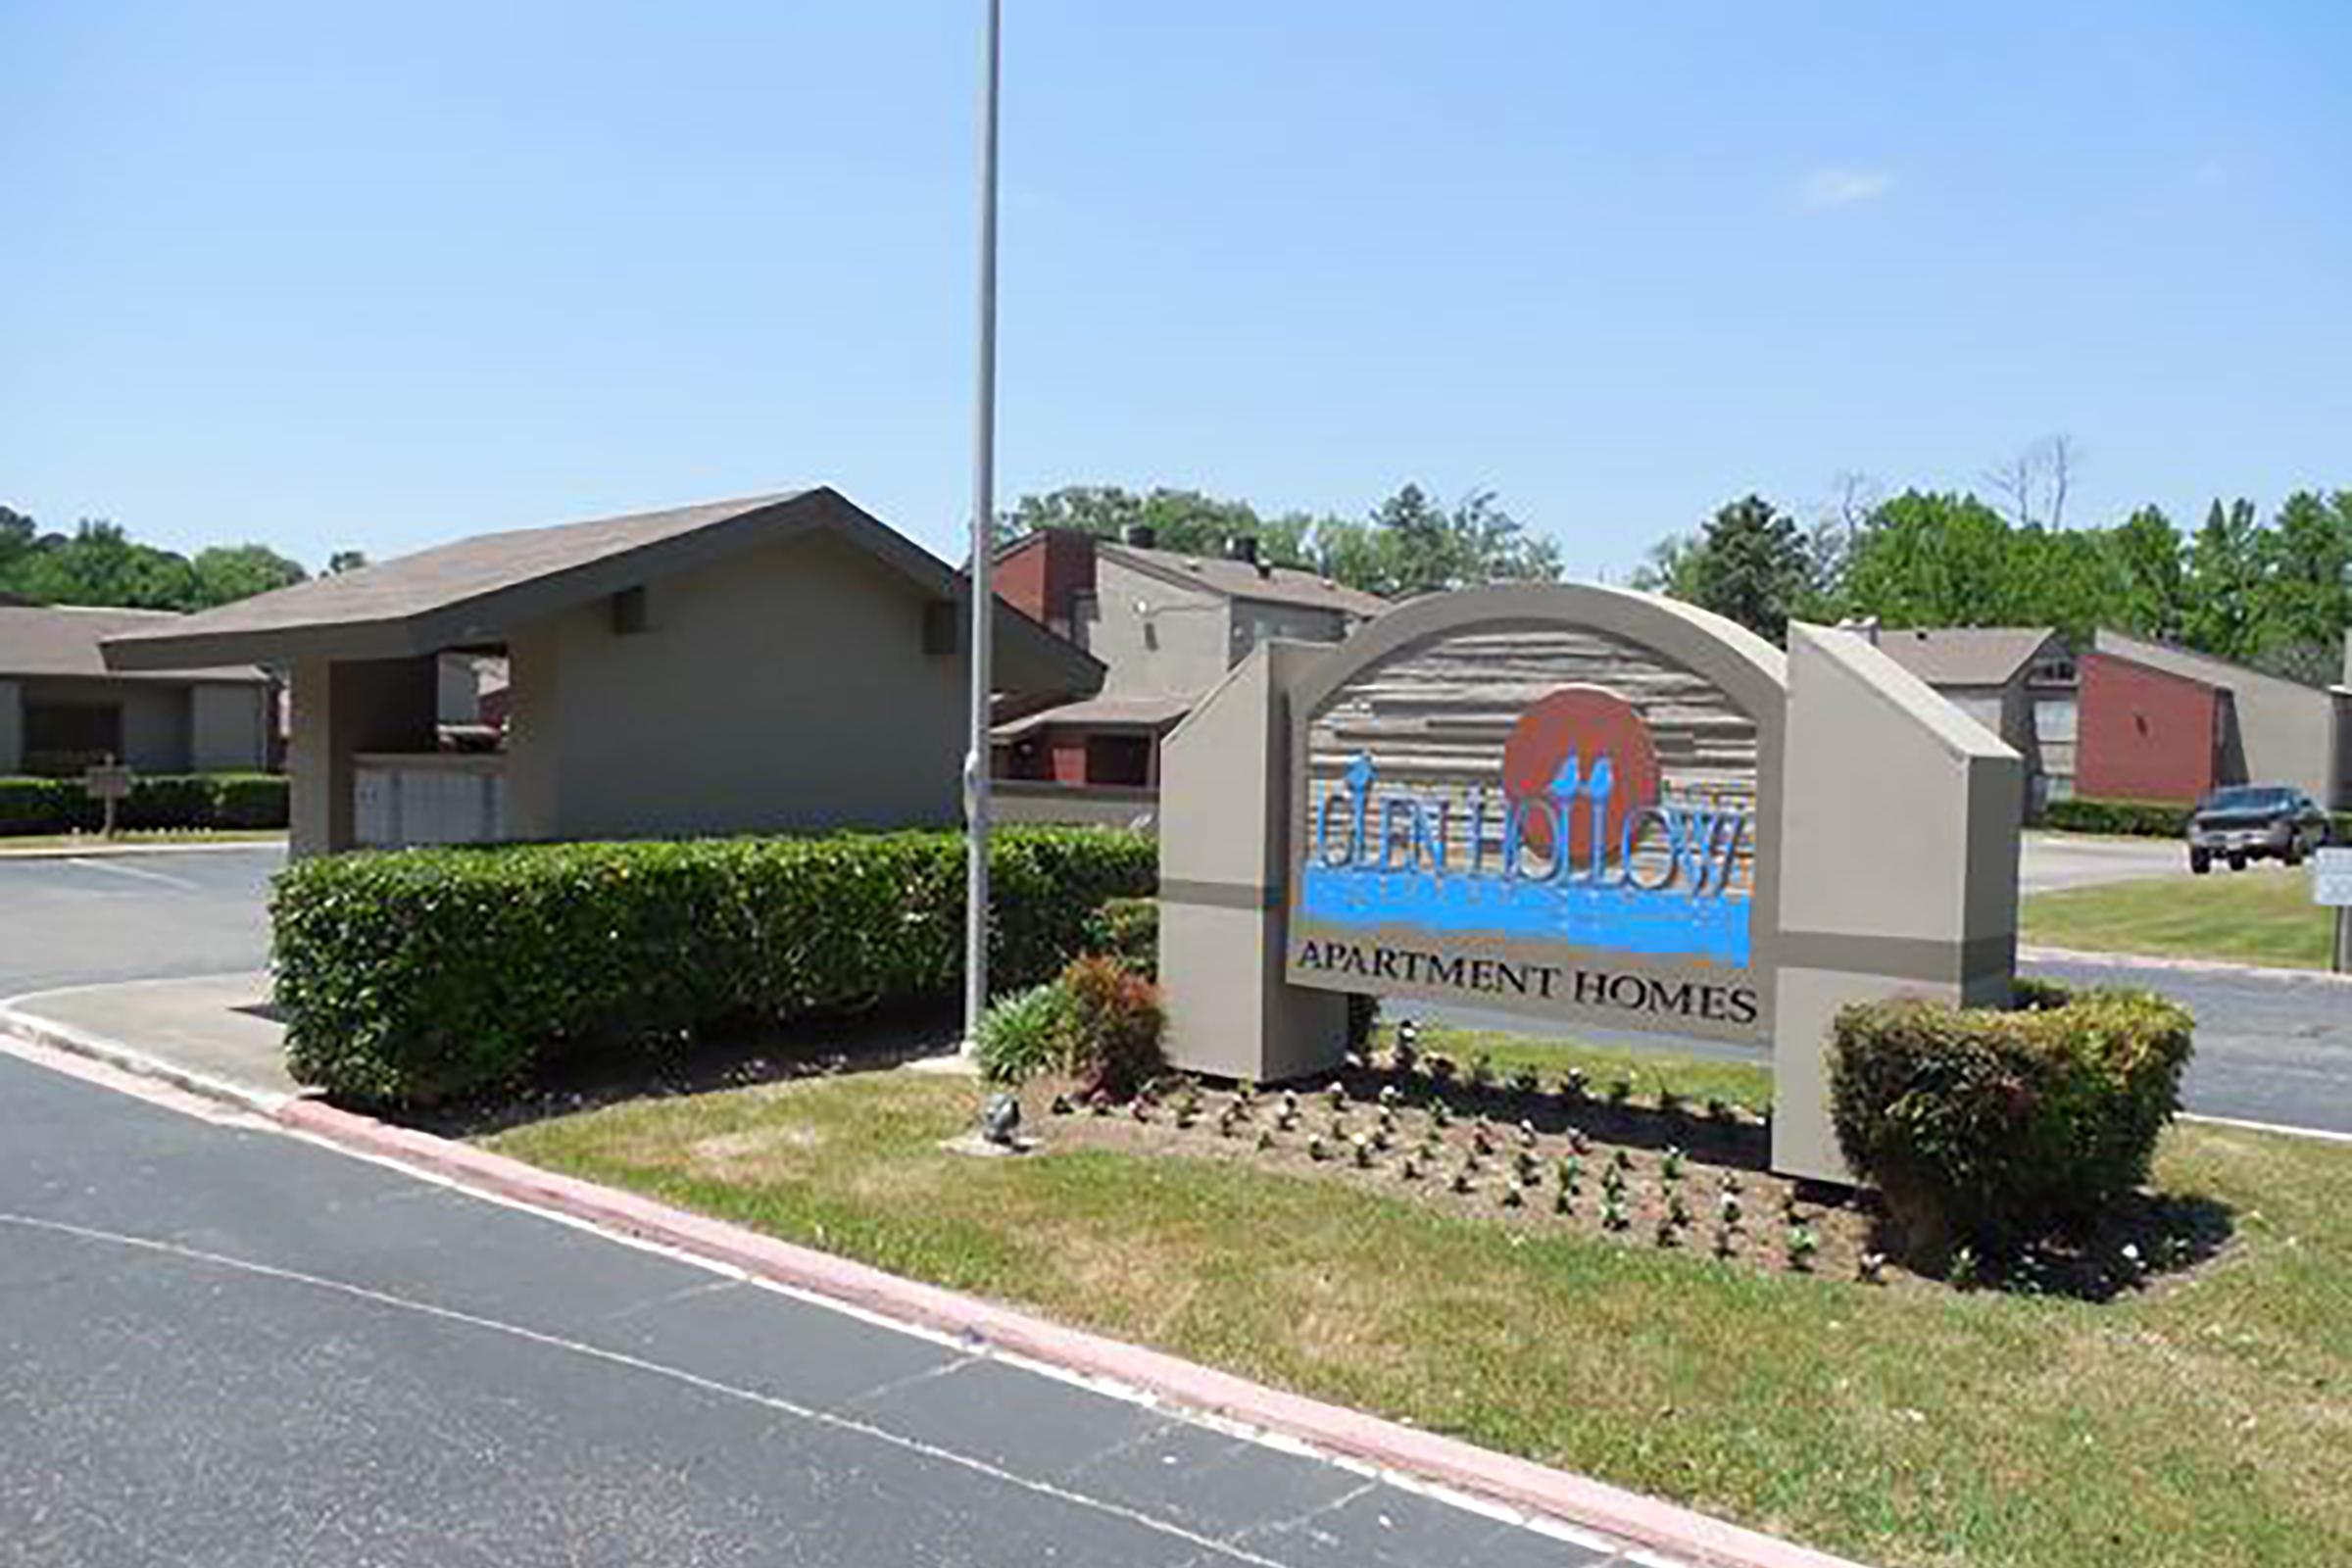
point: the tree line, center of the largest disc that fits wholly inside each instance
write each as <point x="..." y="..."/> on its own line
<point x="1410" y="543"/>
<point x="100" y="563"/>
<point x="2273" y="593"/>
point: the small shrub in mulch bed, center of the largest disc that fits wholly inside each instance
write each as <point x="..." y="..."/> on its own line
<point x="1682" y="1178"/>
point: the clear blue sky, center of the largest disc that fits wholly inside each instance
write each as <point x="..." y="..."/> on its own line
<point x="330" y="275"/>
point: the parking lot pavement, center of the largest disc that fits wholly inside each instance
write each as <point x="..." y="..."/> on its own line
<point x="2048" y="861"/>
<point x="221" y="1345"/>
<point x="74" y="920"/>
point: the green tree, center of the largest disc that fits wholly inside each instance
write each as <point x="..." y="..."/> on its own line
<point x="226" y="573"/>
<point x="2224" y="589"/>
<point x="2151" y="575"/>
<point x="1925" y="560"/>
<point x="1183" y="520"/>
<point x="343" y="561"/>
<point x="1419" y="546"/>
<point x="2306" y="560"/>
<point x="1753" y="565"/>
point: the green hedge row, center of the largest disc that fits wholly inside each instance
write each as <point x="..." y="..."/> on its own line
<point x="156" y="802"/>
<point x="425" y="974"/>
<point x="1991" y="1126"/>
<point x="2152" y="819"/>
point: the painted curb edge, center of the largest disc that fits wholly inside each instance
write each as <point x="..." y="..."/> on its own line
<point x="1520" y="1483"/>
<point x="1350" y="1433"/>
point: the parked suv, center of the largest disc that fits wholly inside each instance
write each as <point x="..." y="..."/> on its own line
<point x="2254" y="822"/>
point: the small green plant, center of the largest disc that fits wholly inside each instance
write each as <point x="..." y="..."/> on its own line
<point x="1315" y="1149"/>
<point x="1728" y="1210"/>
<point x="1727" y="1240"/>
<point x="1678" y="1211"/>
<point x="1614" y="1215"/>
<point x="1579" y="1141"/>
<point x="1612" y="1181"/>
<point x="1524" y="1081"/>
<point x="1408" y="1169"/>
<point x="1025" y="1034"/>
<point x="1527" y="1134"/>
<point x="1482" y="1072"/>
<point x="1336" y="1095"/>
<point x="1670" y="1099"/>
<point x="1287" y="1117"/>
<point x="1620" y="1160"/>
<point x="1670" y="1166"/>
<point x="1802" y="1245"/>
<point x="1061" y="1106"/>
<point x="1442" y="1070"/>
<point x="1667" y="1233"/>
<point x="1871" y="1268"/>
<point x="1462" y="1184"/>
<point x="1621" y="1090"/>
<point x="1439" y="1116"/>
<point x="1482" y="1136"/>
<point x="1388" y="1096"/>
<point x="1228" y="1122"/>
<point x="1721" y="1111"/>
<point x="1563" y="1201"/>
<point x="1965" y="1271"/>
<point x="1571" y="1173"/>
<point x="1512" y="1198"/>
<point x="1572" y="1084"/>
<point x="1360" y="1148"/>
<point x="1523" y="1165"/>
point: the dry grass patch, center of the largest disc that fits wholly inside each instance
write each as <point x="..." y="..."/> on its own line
<point x="1902" y="1426"/>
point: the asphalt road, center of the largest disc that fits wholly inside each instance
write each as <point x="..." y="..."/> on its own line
<point x="224" y="1346"/>
<point x="2268" y="1050"/>
<point x="159" y="916"/>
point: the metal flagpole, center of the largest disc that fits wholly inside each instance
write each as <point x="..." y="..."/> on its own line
<point x="976" y="762"/>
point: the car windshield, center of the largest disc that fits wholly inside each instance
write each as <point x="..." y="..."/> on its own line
<point x="2246" y="799"/>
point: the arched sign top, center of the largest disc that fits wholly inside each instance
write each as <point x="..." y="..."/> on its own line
<point x="1749" y="670"/>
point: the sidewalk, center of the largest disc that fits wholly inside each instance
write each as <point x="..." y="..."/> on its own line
<point x="212" y="1036"/>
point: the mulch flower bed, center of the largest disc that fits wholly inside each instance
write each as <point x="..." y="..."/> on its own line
<point x="1562" y="1158"/>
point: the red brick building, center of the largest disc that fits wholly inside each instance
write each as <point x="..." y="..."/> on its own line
<point x="2148" y="734"/>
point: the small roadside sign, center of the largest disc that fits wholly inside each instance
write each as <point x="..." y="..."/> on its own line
<point x="2331" y="878"/>
<point x="2331" y="889"/>
<point x="108" y="781"/>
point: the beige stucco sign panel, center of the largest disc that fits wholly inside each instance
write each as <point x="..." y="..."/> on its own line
<point x="1437" y="781"/>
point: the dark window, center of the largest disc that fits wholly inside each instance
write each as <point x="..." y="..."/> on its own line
<point x="64" y="738"/>
<point x="1119" y="758"/>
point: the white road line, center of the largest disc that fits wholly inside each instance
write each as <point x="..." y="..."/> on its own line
<point x="1209" y="1544"/>
<point x="2321" y="1134"/>
<point x="141" y="873"/>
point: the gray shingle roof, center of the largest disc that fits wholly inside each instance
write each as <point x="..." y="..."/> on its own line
<point x="1965" y="656"/>
<point x="1243" y="579"/>
<point x="471" y="593"/>
<point x="63" y="641"/>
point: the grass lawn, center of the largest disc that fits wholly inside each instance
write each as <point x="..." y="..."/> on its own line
<point x="2208" y="1420"/>
<point x="1697" y="1079"/>
<point x="2261" y="915"/>
<point x="93" y="841"/>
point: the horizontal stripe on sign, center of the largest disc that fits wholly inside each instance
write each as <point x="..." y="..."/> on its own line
<point x="1896" y="958"/>
<point x="1218" y="894"/>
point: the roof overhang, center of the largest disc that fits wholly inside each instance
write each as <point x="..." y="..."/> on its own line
<point x="485" y="618"/>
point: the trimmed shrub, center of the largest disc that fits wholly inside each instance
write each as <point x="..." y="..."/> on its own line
<point x="424" y="974"/>
<point x="1128" y="930"/>
<point x="1992" y="1127"/>
<point x="2152" y="819"/>
<point x="1115" y="1026"/>
<point x="1026" y="1034"/>
<point x="156" y="802"/>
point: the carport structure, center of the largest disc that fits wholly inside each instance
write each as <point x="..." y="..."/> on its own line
<point x="778" y="663"/>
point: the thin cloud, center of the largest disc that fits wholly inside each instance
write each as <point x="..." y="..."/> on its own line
<point x="1841" y="187"/>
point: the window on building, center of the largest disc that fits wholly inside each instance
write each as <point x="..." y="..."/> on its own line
<point x="2054" y="719"/>
<point x="62" y="739"/>
<point x="1118" y="760"/>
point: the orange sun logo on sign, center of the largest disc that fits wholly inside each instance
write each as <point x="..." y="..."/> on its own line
<point x="1567" y="739"/>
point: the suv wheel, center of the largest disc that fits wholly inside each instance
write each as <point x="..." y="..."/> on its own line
<point x="2237" y="860"/>
<point x="2200" y="862"/>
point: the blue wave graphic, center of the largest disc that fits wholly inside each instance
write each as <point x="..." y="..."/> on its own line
<point x="1580" y="913"/>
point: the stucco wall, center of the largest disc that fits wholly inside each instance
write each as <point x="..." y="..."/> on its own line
<point x="155" y="716"/>
<point x="229" y="728"/>
<point x="2145" y="734"/>
<point x="787" y="690"/>
<point x="1174" y="644"/>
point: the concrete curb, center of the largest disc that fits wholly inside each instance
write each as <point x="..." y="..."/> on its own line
<point x="81" y="1043"/>
<point x="2161" y="966"/>
<point x="1330" y="1428"/>
<point x="1518" y="1483"/>
<point x="103" y="851"/>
